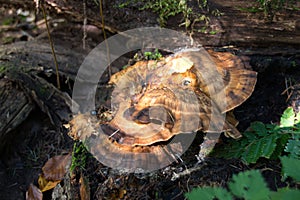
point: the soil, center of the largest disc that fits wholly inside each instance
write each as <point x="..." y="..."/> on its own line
<point x="34" y="141"/>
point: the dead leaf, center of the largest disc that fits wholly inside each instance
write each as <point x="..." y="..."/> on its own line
<point x="45" y="185"/>
<point x="34" y="193"/>
<point x="84" y="188"/>
<point x="55" y="167"/>
<point x="122" y="193"/>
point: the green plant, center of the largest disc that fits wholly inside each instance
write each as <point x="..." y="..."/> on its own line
<point x="156" y="55"/>
<point x="147" y="55"/>
<point x="8" y="21"/>
<point x="270" y="6"/>
<point x="168" y="8"/>
<point x="246" y="185"/>
<point x="34" y="155"/>
<point x="79" y="156"/>
<point x="7" y="40"/>
<point x="252" y="9"/>
<point x="267" y="140"/>
<point x="290" y="167"/>
<point x="164" y="8"/>
<point x="3" y="69"/>
<point x="261" y="140"/>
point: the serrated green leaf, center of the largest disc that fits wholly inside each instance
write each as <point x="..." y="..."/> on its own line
<point x="285" y="193"/>
<point x="263" y="147"/>
<point x="290" y="167"/>
<point x="259" y="128"/>
<point x="265" y="140"/>
<point x="272" y="127"/>
<point x="288" y="118"/>
<point x="249" y="185"/>
<point x="280" y="145"/>
<point x="250" y="135"/>
<point x="269" y="145"/>
<point x="232" y="150"/>
<point x="293" y="147"/>
<point x="297" y="118"/>
<point x="209" y="193"/>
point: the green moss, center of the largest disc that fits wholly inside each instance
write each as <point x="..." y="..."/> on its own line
<point x="7" y="21"/>
<point x="7" y="40"/>
<point x="2" y="69"/>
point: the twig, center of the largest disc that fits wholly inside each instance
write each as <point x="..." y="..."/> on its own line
<point x="178" y="195"/>
<point x="8" y="28"/>
<point x="114" y="133"/>
<point x="186" y="172"/>
<point x="84" y="24"/>
<point x="288" y="87"/>
<point x="104" y="34"/>
<point x="52" y="46"/>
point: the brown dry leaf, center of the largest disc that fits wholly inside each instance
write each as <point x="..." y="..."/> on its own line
<point x="55" y="167"/>
<point x="45" y="185"/>
<point x="34" y="193"/>
<point x="84" y="188"/>
<point x="122" y="193"/>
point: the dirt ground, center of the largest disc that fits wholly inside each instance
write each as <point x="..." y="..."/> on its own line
<point x="36" y="140"/>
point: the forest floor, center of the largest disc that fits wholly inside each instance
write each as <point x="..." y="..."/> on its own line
<point x="36" y="139"/>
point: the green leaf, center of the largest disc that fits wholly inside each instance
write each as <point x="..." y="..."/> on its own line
<point x="209" y="193"/>
<point x="293" y="147"/>
<point x="272" y="127"/>
<point x="232" y="150"/>
<point x="285" y="193"/>
<point x="249" y="185"/>
<point x="297" y="118"/>
<point x="266" y="140"/>
<point x="290" y="167"/>
<point x="263" y="147"/>
<point x="259" y="128"/>
<point x="288" y="118"/>
<point x="297" y="123"/>
<point x="250" y="135"/>
<point x="280" y="145"/>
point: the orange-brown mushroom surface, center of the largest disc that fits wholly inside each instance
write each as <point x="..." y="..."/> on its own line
<point x="155" y="100"/>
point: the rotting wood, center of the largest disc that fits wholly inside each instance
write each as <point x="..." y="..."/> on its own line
<point x="15" y="106"/>
<point x="25" y="86"/>
<point x="235" y="27"/>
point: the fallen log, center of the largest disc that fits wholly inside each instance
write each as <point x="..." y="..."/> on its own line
<point x="236" y="26"/>
<point x="26" y="84"/>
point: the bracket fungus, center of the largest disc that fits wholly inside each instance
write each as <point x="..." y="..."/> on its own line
<point x="153" y="101"/>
